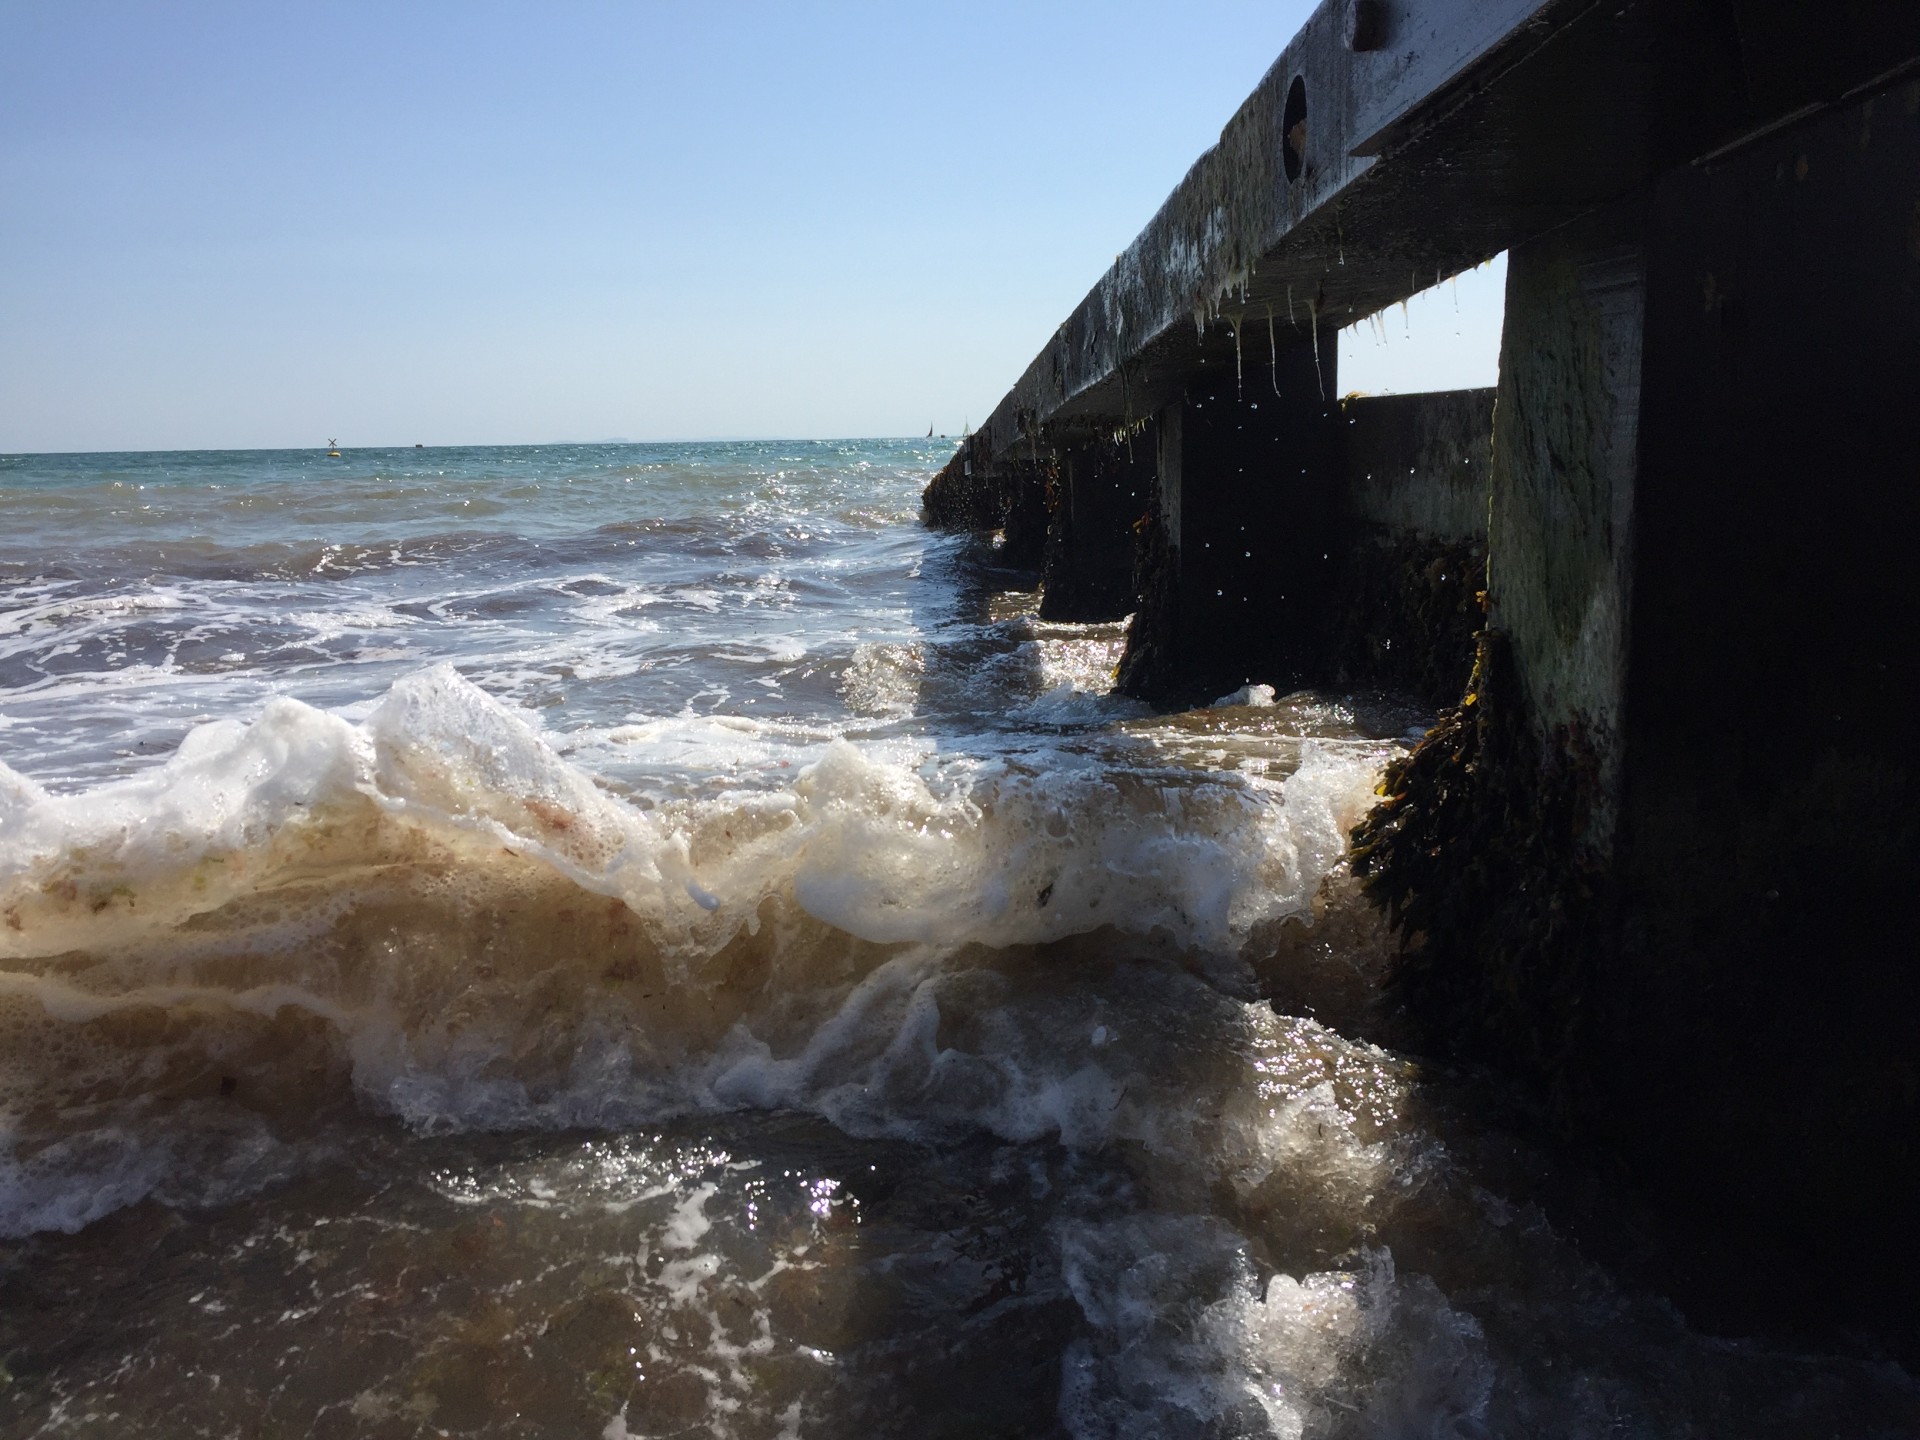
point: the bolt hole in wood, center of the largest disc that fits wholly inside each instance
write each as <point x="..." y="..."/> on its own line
<point x="1293" y="125"/>
<point x="1367" y="25"/>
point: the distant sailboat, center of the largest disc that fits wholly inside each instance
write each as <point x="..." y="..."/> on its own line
<point x="929" y="432"/>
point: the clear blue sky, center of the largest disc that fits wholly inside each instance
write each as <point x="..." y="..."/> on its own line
<point x="259" y="224"/>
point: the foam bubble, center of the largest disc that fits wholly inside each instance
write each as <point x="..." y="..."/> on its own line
<point x="1258" y="697"/>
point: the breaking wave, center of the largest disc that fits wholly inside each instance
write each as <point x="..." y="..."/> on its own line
<point x="429" y="914"/>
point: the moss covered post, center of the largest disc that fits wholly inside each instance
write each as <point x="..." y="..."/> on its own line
<point x="1565" y="457"/>
<point x="1493" y="844"/>
<point x="1658" y="862"/>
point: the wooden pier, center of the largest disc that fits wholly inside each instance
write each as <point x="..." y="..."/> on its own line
<point x="1655" y="864"/>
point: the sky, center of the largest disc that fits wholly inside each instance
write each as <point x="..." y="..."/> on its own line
<point x="230" y="225"/>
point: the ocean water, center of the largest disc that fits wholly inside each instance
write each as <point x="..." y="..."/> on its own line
<point x="643" y="940"/>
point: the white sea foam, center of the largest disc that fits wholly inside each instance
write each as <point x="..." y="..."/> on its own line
<point x="245" y="888"/>
<point x="1257" y="697"/>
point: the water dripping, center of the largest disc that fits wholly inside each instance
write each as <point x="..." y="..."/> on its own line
<point x="1273" y="352"/>
<point x="1313" y="318"/>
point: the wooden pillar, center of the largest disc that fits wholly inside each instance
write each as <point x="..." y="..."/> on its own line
<point x="1240" y="565"/>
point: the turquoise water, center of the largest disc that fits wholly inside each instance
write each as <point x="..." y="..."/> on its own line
<point x="145" y="593"/>
<point x="646" y="940"/>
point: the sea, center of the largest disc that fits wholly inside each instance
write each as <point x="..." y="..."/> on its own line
<point x="648" y="940"/>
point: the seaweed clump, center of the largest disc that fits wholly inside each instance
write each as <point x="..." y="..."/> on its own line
<point x="1482" y="853"/>
<point x="1407" y="614"/>
<point x="1150" y="667"/>
<point x="1031" y="491"/>
<point x="962" y="496"/>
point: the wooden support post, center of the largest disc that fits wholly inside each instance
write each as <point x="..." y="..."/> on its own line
<point x="1102" y="488"/>
<point x="1239" y="571"/>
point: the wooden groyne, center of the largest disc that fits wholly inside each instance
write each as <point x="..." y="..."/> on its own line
<point x="1655" y="863"/>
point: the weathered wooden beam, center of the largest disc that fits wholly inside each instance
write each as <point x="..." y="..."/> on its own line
<point x="1352" y="178"/>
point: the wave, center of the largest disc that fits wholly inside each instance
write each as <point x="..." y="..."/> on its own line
<point x="428" y="914"/>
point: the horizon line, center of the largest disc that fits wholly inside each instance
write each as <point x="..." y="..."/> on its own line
<point x="489" y="445"/>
